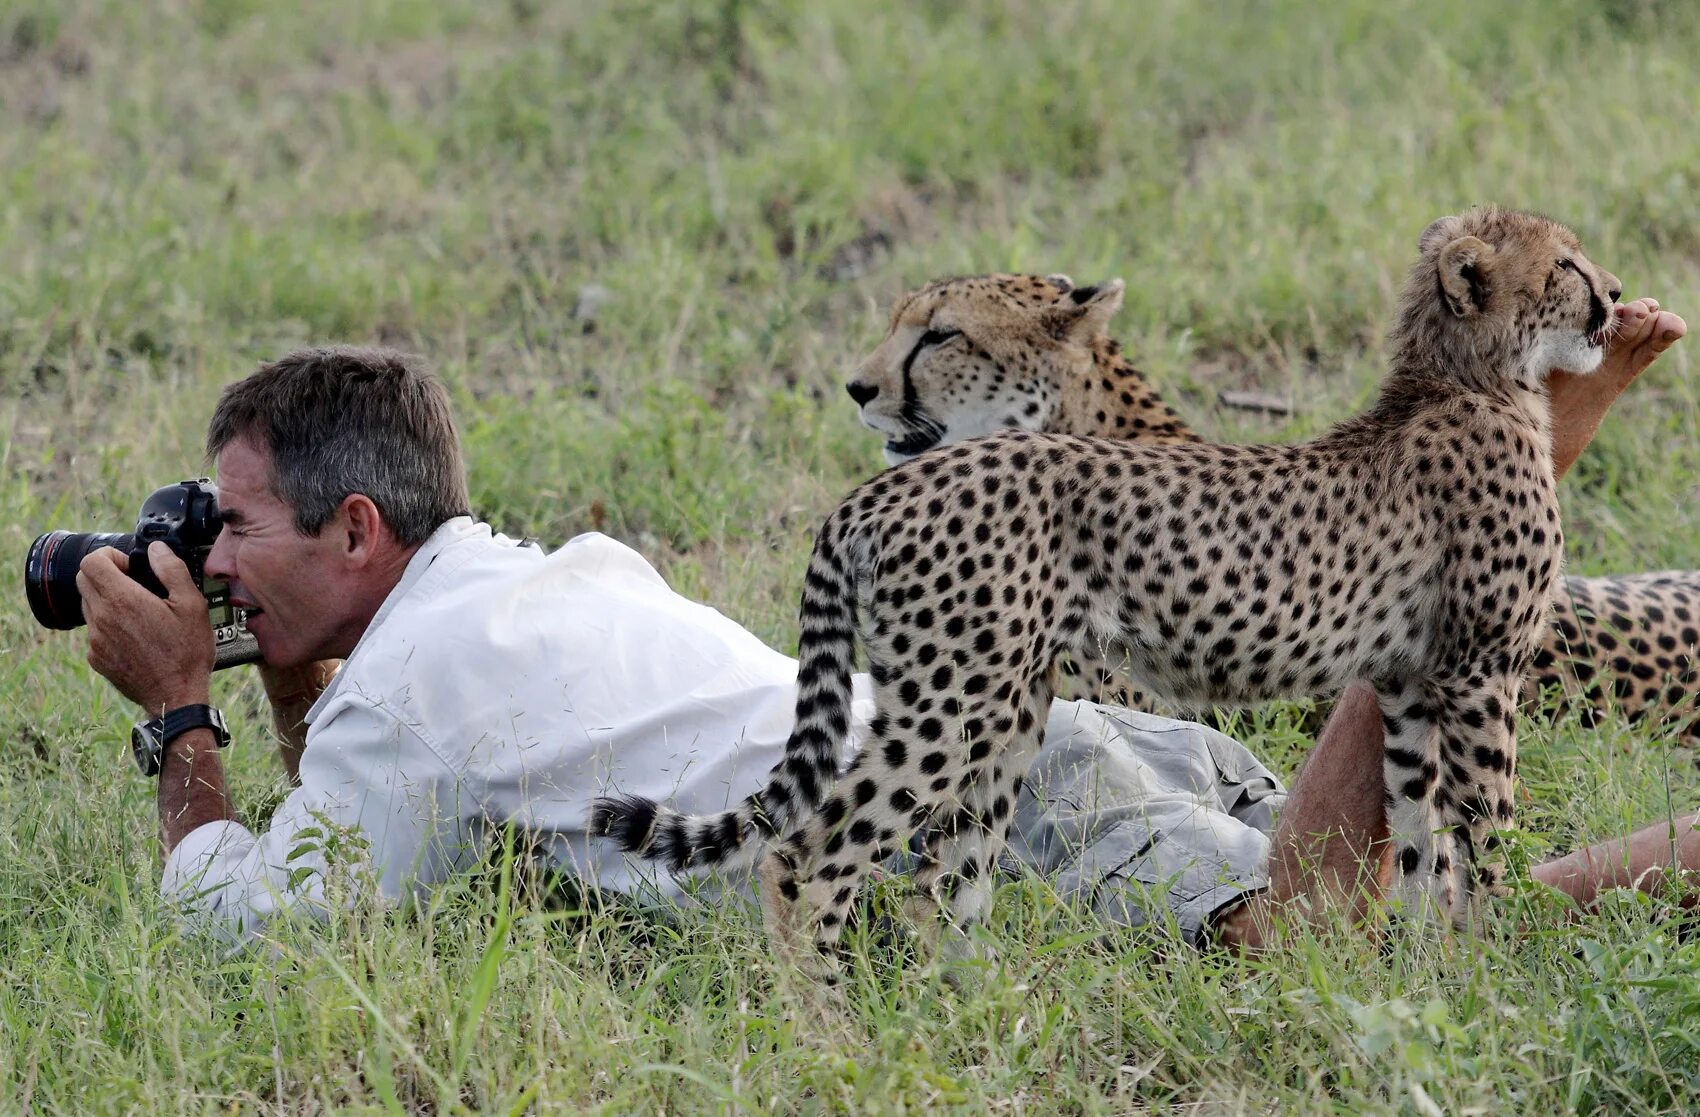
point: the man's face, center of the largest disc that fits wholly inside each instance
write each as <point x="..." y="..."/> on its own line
<point x="291" y="583"/>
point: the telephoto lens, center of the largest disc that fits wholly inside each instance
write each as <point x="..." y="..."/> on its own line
<point x="50" y="573"/>
<point x="185" y="518"/>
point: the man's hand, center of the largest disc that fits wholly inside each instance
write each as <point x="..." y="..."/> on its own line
<point x="157" y="652"/>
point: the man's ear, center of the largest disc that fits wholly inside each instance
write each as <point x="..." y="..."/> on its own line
<point x="1463" y="267"/>
<point x="363" y="528"/>
<point x="1084" y="315"/>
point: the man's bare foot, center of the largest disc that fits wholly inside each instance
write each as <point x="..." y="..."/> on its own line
<point x="1580" y="402"/>
<point x="1642" y="332"/>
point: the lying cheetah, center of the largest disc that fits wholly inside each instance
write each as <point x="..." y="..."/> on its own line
<point x="1414" y="545"/>
<point x="1632" y="640"/>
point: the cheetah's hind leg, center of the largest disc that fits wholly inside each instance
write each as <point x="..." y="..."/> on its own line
<point x="917" y="764"/>
<point x="1090" y="675"/>
<point x="811" y="880"/>
<point x="782" y="915"/>
<point x="804" y="976"/>
<point x="956" y="880"/>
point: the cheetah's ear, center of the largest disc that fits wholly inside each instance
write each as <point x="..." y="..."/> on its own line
<point x="1463" y="266"/>
<point x="1439" y="233"/>
<point x="1060" y="281"/>
<point x="1085" y="314"/>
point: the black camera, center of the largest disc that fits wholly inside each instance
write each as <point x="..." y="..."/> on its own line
<point x="185" y="518"/>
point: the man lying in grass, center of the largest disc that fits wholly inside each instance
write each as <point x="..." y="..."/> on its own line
<point x="486" y="683"/>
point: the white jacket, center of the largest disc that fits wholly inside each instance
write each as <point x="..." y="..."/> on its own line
<point x="500" y="684"/>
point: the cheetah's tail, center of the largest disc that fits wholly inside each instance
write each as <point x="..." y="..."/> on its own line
<point x="811" y="761"/>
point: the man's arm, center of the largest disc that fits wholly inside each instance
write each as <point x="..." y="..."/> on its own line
<point x="375" y="777"/>
<point x="1330" y="849"/>
<point x="158" y="652"/>
<point x="292" y="692"/>
<point x="191" y="787"/>
<point x="1640" y="861"/>
<point x="372" y="788"/>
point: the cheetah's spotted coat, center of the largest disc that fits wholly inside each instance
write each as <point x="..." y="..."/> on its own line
<point x="1415" y="545"/>
<point x="1632" y="641"/>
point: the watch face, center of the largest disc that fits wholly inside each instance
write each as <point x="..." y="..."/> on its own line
<point x="146" y="745"/>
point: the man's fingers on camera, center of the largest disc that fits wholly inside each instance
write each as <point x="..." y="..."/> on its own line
<point x="101" y="577"/>
<point x="173" y="574"/>
<point x="102" y="568"/>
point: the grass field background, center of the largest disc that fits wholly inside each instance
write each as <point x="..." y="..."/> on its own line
<point x="190" y="186"/>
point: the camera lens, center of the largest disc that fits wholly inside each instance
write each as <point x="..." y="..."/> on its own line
<point x="50" y="573"/>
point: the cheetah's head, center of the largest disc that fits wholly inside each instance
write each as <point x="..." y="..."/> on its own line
<point x="1497" y="289"/>
<point x="977" y="354"/>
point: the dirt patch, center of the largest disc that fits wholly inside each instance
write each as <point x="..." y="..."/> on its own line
<point x="1269" y="382"/>
<point x="886" y="217"/>
<point x="35" y="69"/>
<point x="1236" y="369"/>
<point x="418" y="75"/>
<point x="894" y="215"/>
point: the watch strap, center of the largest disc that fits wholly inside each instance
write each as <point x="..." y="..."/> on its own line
<point x="149" y="738"/>
<point x="177" y="722"/>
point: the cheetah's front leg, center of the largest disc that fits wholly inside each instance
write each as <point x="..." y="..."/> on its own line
<point x="1478" y="748"/>
<point x="1425" y="856"/>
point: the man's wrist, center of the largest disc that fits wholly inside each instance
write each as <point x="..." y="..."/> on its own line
<point x="191" y="755"/>
<point x="150" y="740"/>
<point x="198" y="746"/>
<point x="191" y="787"/>
<point x="187" y="694"/>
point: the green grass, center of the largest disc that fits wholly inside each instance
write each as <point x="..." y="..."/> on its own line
<point x="187" y="188"/>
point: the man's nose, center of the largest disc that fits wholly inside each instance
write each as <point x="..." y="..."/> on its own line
<point x="219" y="564"/>
<point x="861" y="391"/>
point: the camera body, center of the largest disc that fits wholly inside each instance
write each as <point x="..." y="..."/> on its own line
<point x="184" y="517"/>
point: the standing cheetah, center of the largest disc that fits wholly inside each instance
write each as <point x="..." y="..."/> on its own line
<point x="1415" y="545"/>
<point x="1632" y="641"/>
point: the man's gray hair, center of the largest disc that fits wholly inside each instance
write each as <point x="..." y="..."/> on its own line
<point x="343" y="420"/>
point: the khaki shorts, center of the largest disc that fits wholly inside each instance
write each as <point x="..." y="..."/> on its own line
<point x="1143" y="818"/>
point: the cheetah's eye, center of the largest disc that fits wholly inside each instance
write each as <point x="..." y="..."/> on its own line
<point x="928" y="339"/>
<point x="1559" y="267"/>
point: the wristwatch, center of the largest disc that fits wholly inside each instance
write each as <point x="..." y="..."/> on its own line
<point x="149" y="738"/>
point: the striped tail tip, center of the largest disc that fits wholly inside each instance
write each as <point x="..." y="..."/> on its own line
<point x="629" y="820"/>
